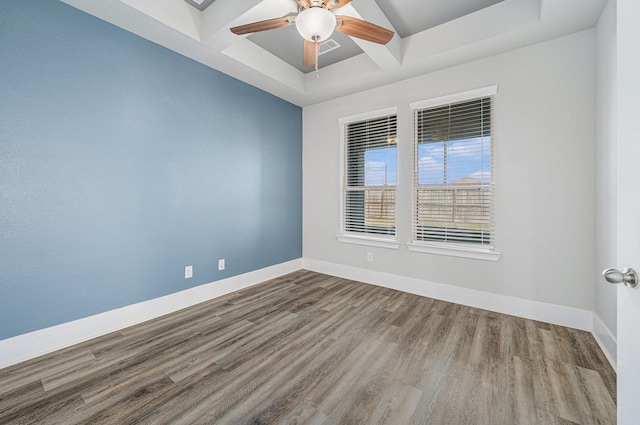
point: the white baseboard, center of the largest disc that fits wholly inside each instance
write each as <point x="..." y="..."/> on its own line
<point x="33" y="344"/>
<point x="551" y="313"/>
<point x="606" y="340"/>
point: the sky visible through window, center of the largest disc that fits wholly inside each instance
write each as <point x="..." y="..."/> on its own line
<point x="466" y="158"/>
<point x="380" y="167"/>
<point x="469" y="158"/>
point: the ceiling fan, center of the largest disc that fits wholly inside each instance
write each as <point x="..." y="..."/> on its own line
<point x="315" y="22"/>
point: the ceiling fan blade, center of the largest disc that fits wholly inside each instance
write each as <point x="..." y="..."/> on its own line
<point x="309" y="56"/>
<point x="363" y="29"/>
<point x="303" y="3"/>
<point x="269" y="24"/>
<point x="336" y="4"/>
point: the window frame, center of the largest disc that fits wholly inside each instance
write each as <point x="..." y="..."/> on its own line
<point x="367" y="239"/>
<point x="456" y="249"/>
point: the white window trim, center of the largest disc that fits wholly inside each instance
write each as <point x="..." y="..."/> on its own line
<point x="444" y="248"/>
<point x="453" y="98"/>
<point x="452" y="250"/>
<point x="369" y="241"/>
<point x="361" y="117"/>
<point x="344" y="237"/>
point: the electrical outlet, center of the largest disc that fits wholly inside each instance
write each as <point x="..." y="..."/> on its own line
<point x="370" y="256"/>
<point x="221" y="264"/>
<point x="188" y="272"/>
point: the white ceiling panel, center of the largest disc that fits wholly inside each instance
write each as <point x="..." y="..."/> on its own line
<point x="430" y="35"/>
<point x="410" y="17"/>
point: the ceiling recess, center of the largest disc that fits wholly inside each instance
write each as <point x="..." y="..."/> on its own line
<point x="200" y="4"/>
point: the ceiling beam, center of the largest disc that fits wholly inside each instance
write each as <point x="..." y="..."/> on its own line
<point x="178" y="15"/>
<point x="388" y="56"/>
<point x="265" y="63"/>
<point x="224" y="14"/>
<point x="221" y="13"/>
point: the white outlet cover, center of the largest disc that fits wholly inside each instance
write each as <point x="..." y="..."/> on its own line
<point x="188" y="272"/>
<point x="221" y="264"/>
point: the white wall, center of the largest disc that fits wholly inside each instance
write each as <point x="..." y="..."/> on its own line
<point x="545" y="175"/>
<point x="606" y="120"/>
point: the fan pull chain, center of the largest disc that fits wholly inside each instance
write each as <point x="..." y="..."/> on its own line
<point x="317" y="55"/>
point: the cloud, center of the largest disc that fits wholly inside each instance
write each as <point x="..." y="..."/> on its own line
<point x="430" y="170"/>
<point x="432" y="150"/>
<point x="428" y="161"/>
<point x="482" y="175"/>
<point x="471" y="148"/>
<point x="468" y="148"/>
<point x="377" y="173"/>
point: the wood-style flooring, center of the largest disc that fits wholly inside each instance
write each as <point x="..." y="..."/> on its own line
<point x="308" y="348"/>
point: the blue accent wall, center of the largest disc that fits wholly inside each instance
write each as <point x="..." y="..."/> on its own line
<point x="121" y="162"/>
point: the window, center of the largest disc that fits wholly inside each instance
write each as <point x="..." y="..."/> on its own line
<point x="453" y="171"/>
<point x="369" y="180"/>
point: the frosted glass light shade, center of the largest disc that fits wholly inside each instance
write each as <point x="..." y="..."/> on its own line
<point x="315" y="23"/>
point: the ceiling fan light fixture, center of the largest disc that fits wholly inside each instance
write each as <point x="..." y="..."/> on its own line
<point x="315" y="24"/>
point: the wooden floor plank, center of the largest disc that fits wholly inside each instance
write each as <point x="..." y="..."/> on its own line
<point x="396" y="405"/>
<point x="308" y="348"/>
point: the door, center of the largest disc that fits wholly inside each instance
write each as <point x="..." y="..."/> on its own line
<point x="628" y="192"/>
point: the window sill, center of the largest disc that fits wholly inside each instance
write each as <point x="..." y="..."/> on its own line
<point x="456" y="251"/>
<point x="369" y="241"/>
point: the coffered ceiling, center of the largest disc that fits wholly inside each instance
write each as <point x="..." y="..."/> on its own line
<point x="430" y="35"/>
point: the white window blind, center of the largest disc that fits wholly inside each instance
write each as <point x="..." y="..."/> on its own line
<point x="453" y="173"/>
<point x="369" y="183"/>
